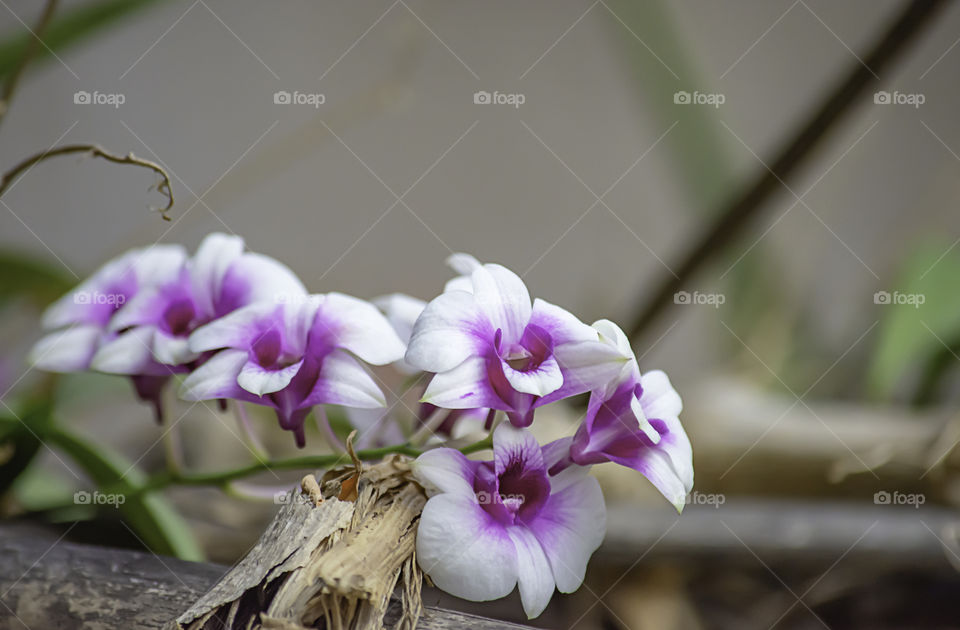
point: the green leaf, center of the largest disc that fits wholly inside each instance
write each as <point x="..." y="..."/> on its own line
<point x="911" y="335"/>
<point x="25" y="277"/>
<point x="21" y="435"/>
<point x="69" y="27"/>
<point x="151" y="516"/>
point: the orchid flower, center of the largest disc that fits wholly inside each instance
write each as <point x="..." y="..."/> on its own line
<point x="634" y="422"/>
<point x="491" y="526"/>
<point x="82" y="315"/>
<point x="149" y="341"/>
<point x="489" y="347"/>
<point x="294" y="355"/>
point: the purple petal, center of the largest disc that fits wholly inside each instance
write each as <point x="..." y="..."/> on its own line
<point x="570" y="527"/>
<point x="209" y="265"/>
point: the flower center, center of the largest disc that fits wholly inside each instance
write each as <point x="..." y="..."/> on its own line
<point x="267" y="348"/>
<point x="517" y="495"/>
<point x="178" y="316"/>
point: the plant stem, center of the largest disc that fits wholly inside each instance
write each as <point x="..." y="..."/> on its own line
<point x="167" y="478"/>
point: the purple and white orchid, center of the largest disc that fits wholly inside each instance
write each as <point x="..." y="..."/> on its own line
<point x="294" y="355"/>
<point x="242" y="326"/>
<point x="488" y="346"/>
<point x="489" y="527"/>
<point x="634" y="421"/>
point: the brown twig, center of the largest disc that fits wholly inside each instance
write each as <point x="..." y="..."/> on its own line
<point x="95" y="151"/>
<point x="737" y="214"/>
<point x="11" y="85"/>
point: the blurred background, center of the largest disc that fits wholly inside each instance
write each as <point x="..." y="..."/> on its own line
<point x="815" y="339"/>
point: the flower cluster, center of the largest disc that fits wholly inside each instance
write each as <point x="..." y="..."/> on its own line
<point x="240" y="326"/>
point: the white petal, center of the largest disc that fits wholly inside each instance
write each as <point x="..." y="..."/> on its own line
<point x="545" y="379"/>
<point x="570" y="527"/>
<point x="450" y="329"/>
<point x="217" y="378"/>
<point x="254" y="277"/>
<point x="158" y="264"/>
<point x="444" y="470"/>
<point x="563" y="326"/>
<point x="128" y="353"/>
<point x="208" y="266"/>
<point x="171" y="350"/>
<point x="401" y="311"/>
<point x="464" y="387"/>
<point x="68" y="350"/>
<point x="236" y="330"/>
<point x="659" y="399"/>
<point x="343" y="381"/>
<point x="460" y="283"/>
<point x="586" y="365"/>
<point x="612" y="334"/>
<point x="464" y="551"/>
<point x="463" y="264"/>
<point x="259" y="380"/>
<point x="503" y="297"/>
<point x="359" y="327"/>
<point x="534" y="576"/>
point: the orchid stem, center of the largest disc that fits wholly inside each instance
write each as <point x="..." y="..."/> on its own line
<point x="168" y="478"/>
<point x="323" y="423"/>
<point x="246" y="430"/>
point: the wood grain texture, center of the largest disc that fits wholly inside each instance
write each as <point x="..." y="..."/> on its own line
<point x="50" y="583"/>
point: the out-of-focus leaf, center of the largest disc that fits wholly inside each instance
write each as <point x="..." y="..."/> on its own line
<point x="38" y="490"/>
<point x="68" y="27"/>
<point x="21" y="436"/>
<point x="699" y="144"/>
<point x="152" y="517"/>
<point x="26" y="277"/>
<point x="912" y="334"/>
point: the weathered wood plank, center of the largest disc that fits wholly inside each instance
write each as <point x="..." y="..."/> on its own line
<point x="50" y="583"/>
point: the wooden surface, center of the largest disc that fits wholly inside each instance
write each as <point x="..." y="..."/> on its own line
<point x="50" y="583"/>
